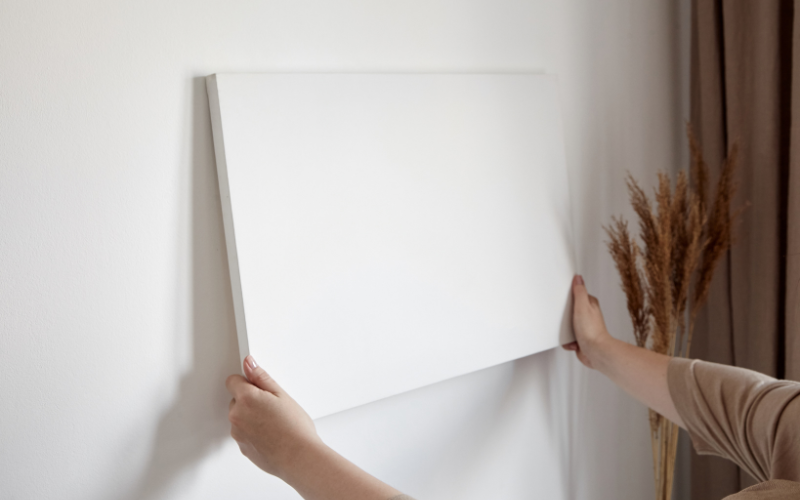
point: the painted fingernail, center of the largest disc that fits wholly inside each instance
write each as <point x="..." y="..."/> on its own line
<point x="250" y="360"/>
<point x="579" y="279"/>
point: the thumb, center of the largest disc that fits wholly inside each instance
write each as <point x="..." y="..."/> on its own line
<point x="260" y="378"/>
<point x="579" y="294"/>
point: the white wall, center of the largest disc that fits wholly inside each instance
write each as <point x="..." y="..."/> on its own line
<point x="116" y="323"/>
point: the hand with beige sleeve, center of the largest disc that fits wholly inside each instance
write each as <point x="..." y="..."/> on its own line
<point x="640" y="372"/>
<point x="734" y="413"/>
<point x="278" y="436"/>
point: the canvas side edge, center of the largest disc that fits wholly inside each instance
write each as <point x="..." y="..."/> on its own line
<point x="566" y="333"/>
<point x="227" y="214"/>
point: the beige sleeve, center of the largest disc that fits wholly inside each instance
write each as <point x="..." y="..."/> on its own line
<point x="401" y="497"/>
<point x="776" y="489"/>
<point x="741" y="415"/>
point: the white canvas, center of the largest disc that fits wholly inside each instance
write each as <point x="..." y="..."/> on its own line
<point x="388" y="231"/>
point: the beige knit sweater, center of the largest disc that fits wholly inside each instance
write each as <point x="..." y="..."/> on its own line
<point x="744" y="416"/>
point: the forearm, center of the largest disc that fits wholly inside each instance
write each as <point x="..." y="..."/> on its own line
<point x="639" y="372"/>
<point x="322" y="474"/>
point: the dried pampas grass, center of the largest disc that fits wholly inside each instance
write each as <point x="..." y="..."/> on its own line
<point x="666" y="281"/>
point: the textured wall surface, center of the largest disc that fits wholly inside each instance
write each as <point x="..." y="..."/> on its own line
<point x="116" y="323"/>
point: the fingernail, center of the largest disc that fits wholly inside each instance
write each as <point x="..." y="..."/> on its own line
<point x="579" y="279"/>
<point x="250" y="360"/>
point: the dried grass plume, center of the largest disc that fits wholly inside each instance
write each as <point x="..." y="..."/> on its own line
<point x="666" y="280"/>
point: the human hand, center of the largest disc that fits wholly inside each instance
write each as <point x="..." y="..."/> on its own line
<point x="587" y="323"/>
<point x="272" y="430"/>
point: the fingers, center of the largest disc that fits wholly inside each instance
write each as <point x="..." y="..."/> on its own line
<point x="256" y="378"/>
<point x="572" y="346"/>
<point x="259" y="377"/>
<point x="236" y="384"/>
<point x="579" y="293"/>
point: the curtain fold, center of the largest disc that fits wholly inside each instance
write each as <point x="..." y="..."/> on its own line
<point x="745" y="89"/>
<point x="792" y="343"/>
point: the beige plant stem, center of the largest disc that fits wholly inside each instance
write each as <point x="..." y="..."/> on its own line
<point x="667" y="280"/>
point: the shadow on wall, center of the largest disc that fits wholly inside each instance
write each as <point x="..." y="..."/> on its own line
<point x="196" y="423"/>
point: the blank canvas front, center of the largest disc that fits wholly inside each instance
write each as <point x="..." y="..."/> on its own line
<point x="388" y="231"/>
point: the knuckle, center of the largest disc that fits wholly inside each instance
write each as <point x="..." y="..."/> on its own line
<point x="264" y="377"/>
<point x="230" y="383"/>
<point x="249" y="396"/>
<point x="245" y="399"/>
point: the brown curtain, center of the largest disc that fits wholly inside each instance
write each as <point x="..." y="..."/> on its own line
<point x="746" y="88"/>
